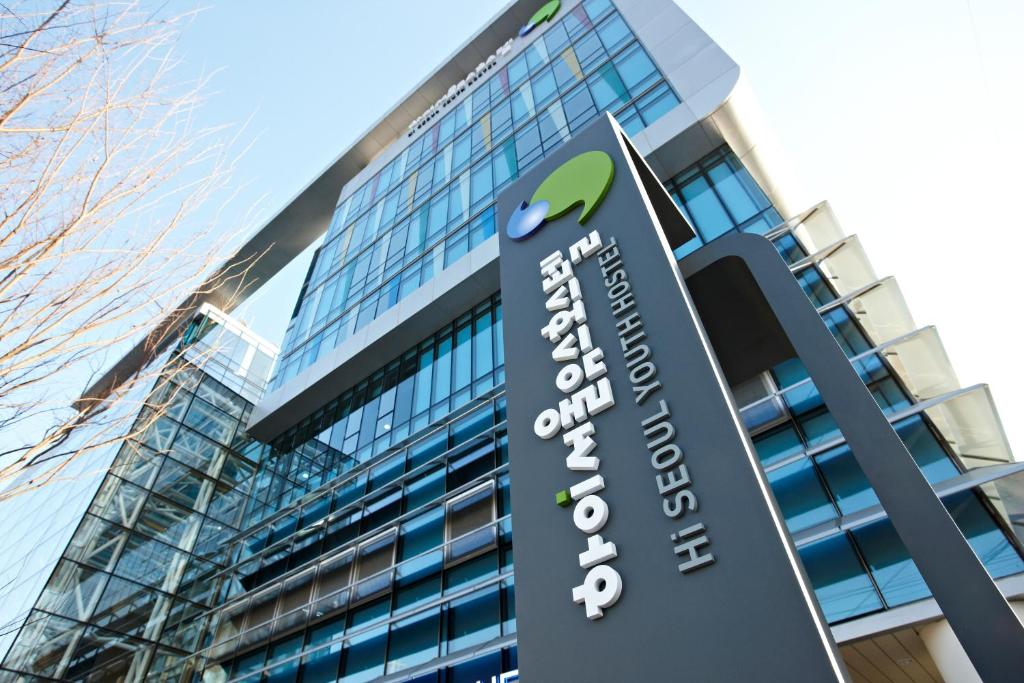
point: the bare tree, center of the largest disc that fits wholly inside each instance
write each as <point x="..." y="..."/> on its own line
<point x="109" y="195"/>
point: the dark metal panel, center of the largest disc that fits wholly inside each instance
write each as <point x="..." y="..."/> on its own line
<point x="748" y="615"/>
<point x="983" y="621"/>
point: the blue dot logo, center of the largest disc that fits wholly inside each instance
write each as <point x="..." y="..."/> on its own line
<point x="527" y="219"/>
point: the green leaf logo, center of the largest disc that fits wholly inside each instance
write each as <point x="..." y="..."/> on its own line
<point x="583" y="181"/>
<point x="545" y="13"/>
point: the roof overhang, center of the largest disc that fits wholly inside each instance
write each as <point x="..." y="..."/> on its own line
<point x="307" y="215"/>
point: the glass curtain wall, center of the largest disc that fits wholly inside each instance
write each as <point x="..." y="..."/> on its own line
<point x="398" y="557"/>
<point x="435" y="201"/>
<point x="121" y="600"/>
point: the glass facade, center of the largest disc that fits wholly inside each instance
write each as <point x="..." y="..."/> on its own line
<point x="435" y="201"/>
<point x="373" y="539"/>
<point x="718" y="195"/>
<point x="121" y="599"/>
<point x="385" y="544"/>
<point x="462" y="362"/>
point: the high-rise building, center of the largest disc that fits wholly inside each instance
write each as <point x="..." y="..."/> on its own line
<point x="352" y="521"/>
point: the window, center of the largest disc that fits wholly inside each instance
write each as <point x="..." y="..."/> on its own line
<point x="705" y="209"/>
<point x="414" y="641"/>
<point x="321" y="666"/>
<point x="282" y="650"/>
<point x="922" y="444"/>
<point x="778" y="444"/>
<point x="474" y="619"/>
<point x="987" y="540"/>
<point x="72" y="590"/>
<point x="840" y="581"/>
<point x="207" y="420"/>
<point x="613" y="33"/>
<point x="466" y="515"/>
<point x="636" y="69"/>
<point x="425" y="488"/>
<point x="295" y="598"/>
<point x="608" y="89"/>
<point x="656" y="103"/>
<point x="846" y="480"/>
<point x="333" y="576"/>
<point x="422" y="533"/>
<point x="800" y="495"/>
<point x="372" y="560"/>
<point x="364" y="656"/>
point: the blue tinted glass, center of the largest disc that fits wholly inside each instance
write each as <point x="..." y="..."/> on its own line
<point x="778" y="444"/>
<point x="613" y="33"/>
<point x="705" y="209"/>
<point x="895" y="573"/>
<point x="249" y="662"/>
<point x="321" y="666"/>
<point x="846" y="480"/>
<point x="576" y="22"/>
<point x="528" y="148"/>
<point x="608" y="89"/>
<point x="481" y="183"/>
<point x="414" y="641"/>
<point x="840" y="582"/>
<point x="889" y="397"/>
<point x="522" y="104"/>
<point x="460" y="153"/>
<point x="387" y="471"/>
<point x="870" y="368"/>
<point x="517" y="70"/>
<point x="438" y="215"/>
<point x="819" y="428"/>
<point x="655" y="104"/>
<point x="508" y="624"/>
<point x="566" y="68"/>
<point x="629" y="119"/>
<point x="803" y="398"/>
<point x="364" y="656"/>
<point x="740" y="194"/>
<point x="788" y="373"/>
<point x="536" y="55"/>
<point x="422" y="533"/>
<point x="471" y="425"/>
<point x="544" y="87"/>
<point x="814" y="287"/>
<point x="988" y="540"/>
<point x="556" y="38"/>
<point x="595" y="9"/>
<point x="483" y="360"/>
<point x="800" y="495"/>
<point x="589" y="51"/>
<point x="476" y="670"/>
<point x="579" y="108"/>
<point x="425" y="488"/>
<point x="474" y="619"/>
<point x="927" y="452"/>
<point x="287" y="672"/>
<point x="637" y="70"/>
<point x="443" y="369"/>
<point x="505" y="164"/>
<point x="847" y="333"/>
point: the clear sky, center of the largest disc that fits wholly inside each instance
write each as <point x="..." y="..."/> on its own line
<point x="905" y="114"/>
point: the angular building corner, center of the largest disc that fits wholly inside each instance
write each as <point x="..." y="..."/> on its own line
<point x="352" y="521"/>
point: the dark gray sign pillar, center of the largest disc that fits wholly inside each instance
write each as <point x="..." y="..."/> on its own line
<point x="647" y="543"/>
<point x="984" y="623"/>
